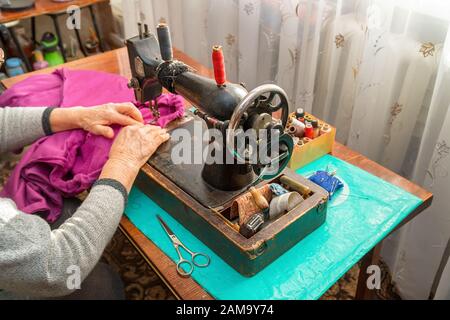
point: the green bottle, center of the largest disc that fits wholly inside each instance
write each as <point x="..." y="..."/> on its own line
<point x="50" y="48"/>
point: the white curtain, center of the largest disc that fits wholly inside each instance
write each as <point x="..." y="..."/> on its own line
<point x="379" y="70"/>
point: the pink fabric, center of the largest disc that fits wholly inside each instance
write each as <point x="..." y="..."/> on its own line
<point x="67" y="163"/>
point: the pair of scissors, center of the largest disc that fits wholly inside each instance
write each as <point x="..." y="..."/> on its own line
<point x="194" y="255"/>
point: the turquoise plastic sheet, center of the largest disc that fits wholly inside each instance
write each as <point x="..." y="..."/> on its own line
<point x="359" y="216"/>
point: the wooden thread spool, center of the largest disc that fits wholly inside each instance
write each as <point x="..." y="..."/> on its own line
<point x="306" y="140"/>
<point x="295" y="131"/>
<point x="325" y="129"/>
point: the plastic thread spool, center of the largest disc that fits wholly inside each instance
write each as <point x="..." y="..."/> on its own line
<point x="315" y="125"/>
<point x="165" y="42"/>
<point x="300" y="113"/>
<point x="309" y="130"/>
<point x="306" y="140"/>
<point x="219" y="65"/>
<point x="297" y="123"/>
<point x="285" y="202"/>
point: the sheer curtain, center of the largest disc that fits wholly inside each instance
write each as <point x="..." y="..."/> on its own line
<point x="378" y="70"/>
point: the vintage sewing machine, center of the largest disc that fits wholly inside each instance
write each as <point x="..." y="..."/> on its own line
<point x="200" y="194"/>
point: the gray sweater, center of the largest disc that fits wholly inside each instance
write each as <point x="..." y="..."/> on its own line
<point x="34" y="260"/>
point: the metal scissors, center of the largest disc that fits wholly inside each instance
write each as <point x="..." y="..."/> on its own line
<point x="194" y="255"/>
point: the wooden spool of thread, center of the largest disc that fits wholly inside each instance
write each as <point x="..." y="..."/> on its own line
<point x="296" y="131"/>
<point x="306" y="140"/>
<point x="325" y="129"/>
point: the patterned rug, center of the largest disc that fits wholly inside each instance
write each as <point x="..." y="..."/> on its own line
<point x="142" y="283"/>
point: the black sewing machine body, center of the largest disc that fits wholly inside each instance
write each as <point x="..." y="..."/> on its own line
<point x="200" y="195"/>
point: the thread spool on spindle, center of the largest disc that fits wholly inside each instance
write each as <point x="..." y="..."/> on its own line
<point x="165" y="42"/>
<point x="219" y="65"/>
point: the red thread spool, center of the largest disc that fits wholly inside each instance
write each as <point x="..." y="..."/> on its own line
<point x="219" y="65"/>
<point x="309" y="131"/>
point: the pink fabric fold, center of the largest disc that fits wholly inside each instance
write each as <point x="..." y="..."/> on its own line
<point x="68" y="163"/>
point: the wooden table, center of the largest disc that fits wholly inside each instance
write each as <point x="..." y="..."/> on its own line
<point x="116" y="61"/>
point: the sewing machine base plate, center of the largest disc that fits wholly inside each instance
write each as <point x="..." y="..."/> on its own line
<point x="188" y="176"/>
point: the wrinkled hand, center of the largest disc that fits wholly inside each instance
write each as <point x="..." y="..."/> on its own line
<point x="134" y="145"/>
<point x="98" y="120"/>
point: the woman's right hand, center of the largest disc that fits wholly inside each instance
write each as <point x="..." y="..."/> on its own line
<point x="135" y="144"/>
<point x="131" y="149"/>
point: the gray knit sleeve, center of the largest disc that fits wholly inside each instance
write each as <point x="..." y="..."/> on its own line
<point x="38" y="262"/>
<point x="21" y="126"/>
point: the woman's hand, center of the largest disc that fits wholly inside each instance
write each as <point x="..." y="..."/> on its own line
<point x="96" y="120"/>
<point x="133" y="146"/>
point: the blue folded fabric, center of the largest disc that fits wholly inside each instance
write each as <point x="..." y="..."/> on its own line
<point x="327" y="181"/>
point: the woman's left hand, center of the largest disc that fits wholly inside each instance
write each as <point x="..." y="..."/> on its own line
<point x="97" y="120"/>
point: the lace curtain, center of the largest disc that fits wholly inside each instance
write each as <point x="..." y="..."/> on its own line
<point x="378" y="70"/>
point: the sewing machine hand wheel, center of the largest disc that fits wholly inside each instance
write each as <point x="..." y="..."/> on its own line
<point x="257" y="101"/>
